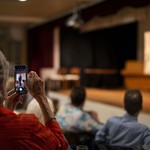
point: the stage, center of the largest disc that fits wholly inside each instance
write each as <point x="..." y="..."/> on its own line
<point x="112" y="97"/>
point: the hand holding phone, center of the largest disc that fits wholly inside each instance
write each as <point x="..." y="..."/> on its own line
<point x="20" y="75"/>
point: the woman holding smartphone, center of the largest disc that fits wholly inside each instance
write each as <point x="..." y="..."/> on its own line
<point x="24" y="131"/>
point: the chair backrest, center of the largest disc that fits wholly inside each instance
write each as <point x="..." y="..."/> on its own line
<point x="78" y="138"/>
<point x="62" y="71"/>
<point x="75" y="70"/>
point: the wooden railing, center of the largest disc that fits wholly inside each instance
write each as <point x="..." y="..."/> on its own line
<point x="134" y="76"/>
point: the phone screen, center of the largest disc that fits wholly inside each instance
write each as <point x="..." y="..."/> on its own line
<point x="20" y="75"/>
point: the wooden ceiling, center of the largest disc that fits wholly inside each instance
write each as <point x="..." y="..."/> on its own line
<point x="33" y="12"/>
<point x="38" y="11"/>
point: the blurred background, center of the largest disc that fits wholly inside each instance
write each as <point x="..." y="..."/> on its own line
<point x="103" y="45"/>
<point x="101" y="34"/>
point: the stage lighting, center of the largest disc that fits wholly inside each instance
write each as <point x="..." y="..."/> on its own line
<point x="74" y="21"/>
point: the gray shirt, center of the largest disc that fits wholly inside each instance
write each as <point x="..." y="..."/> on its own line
<point x="124" y="131"/>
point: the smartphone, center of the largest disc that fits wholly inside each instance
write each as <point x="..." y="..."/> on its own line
<point x="20" y="75"/>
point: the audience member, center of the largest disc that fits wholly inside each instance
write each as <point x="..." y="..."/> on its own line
<point x="125" y="130"/>
<point x="72" y="117"/>
<point x="24" y="131"/>
<point x="34" y="108"/>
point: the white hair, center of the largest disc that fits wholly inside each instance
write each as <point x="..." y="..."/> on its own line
<point x="4" y="74"/>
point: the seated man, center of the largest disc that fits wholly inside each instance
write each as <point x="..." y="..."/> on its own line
<point x="125" y="130"/>
<point x="72" y="117"/>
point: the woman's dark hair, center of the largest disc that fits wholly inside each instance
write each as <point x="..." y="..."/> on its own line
<point x="78" y="95"/>
<point x="133" y="101"/>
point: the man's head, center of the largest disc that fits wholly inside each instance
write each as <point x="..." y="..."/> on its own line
<point x="133" y="101"/>
<point x="78" y="95"/>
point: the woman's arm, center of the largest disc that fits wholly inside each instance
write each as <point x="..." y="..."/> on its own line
<point x="35" y="87"/>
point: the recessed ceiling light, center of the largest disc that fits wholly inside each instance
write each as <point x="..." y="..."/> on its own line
<point x="22" y="0"/>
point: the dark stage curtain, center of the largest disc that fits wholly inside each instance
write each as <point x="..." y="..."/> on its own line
<point x="40" y="48"/>
<point x="102" y="49"/>
<point x="75" y="49"/>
